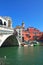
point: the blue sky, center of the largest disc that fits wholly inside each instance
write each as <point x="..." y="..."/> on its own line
<point x="29" y="11"/>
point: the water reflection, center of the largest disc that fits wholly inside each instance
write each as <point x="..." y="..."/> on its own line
<point x="29" y="55"/>
<point x="23" y="55"/>
<point x="25" y="50"/>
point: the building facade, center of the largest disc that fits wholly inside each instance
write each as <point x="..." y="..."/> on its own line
<point x="6" y="22"/>
<point x="31" y="34"/>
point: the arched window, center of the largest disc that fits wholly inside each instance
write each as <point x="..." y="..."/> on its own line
<point x="5" y="23"/>
<point x="1" y="22"/>
<point x="9" y="23"/>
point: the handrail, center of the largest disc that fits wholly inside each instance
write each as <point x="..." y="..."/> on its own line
<point x="5" y="27"/>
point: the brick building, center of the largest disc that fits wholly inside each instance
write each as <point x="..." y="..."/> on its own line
<point x="31" y="34"/>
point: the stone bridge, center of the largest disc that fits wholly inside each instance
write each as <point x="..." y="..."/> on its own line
<point x="7" y="38"/>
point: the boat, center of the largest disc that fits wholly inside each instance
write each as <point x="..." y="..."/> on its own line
<point x="25" y="45"/>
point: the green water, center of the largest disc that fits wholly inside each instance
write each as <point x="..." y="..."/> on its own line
<point x="23" y="55"/>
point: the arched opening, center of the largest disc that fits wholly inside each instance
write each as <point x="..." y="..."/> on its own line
<point x="1" y="22"/>
<point x="5" y="23"/>
<point x="22" y="39"/>
<point x="10" y="41"/>
<point x="9" y="23"/>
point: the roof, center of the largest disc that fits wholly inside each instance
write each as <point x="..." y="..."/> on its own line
<point x="19" y="27"/>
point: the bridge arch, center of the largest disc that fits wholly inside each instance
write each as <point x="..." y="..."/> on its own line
<point x="10" y="41"/>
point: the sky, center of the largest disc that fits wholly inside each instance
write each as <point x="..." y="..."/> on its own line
<point x="29" y="11"/>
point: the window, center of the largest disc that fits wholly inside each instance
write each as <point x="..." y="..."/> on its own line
<point x="19" y="31"/>
<point x="28" y="35"/>
<point x="35" y="32"/>
<point x="9" y="23"/>
<point x="22" y="39"/>
<point x="35" y="37"/>
<point x="19" y="34"/>
<point x="1" y="22"/>
<point x="5" y="23"/>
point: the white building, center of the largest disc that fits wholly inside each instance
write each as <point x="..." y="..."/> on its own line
<point x="5" y="22"/>
<point x="6" y="29"/>
<point x="19" y="30"/>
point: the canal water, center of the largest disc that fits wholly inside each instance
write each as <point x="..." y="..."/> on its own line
<point x="22" y="55"/>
